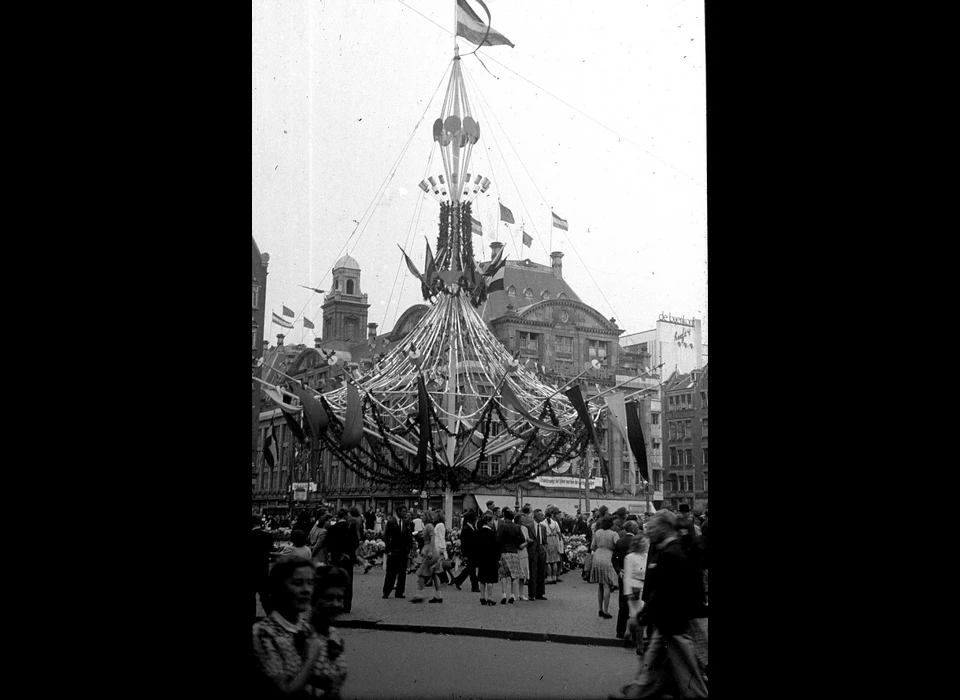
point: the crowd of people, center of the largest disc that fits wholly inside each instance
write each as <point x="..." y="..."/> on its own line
<point x="656" y="564"/>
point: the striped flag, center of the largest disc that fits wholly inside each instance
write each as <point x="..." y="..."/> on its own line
<point x="288" y="312"/>
<point x="281" y="321"/>
<point x="506" y="215"/>
<point x="558" y="222"/>
<point x="475" y="227"/>
<point x="527" y="239"/>
<point x="475" y="30"/>
<point x="307" y="323"/>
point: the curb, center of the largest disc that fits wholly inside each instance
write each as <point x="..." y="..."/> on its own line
<point x="515" y="635"/>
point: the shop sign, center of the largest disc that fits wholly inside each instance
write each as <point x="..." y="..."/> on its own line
<point x="566" y="482"/>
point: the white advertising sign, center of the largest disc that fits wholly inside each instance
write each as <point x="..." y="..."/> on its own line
<point x="566" y="482"/>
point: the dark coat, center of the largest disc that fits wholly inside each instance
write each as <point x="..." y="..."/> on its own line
<point x="673" y="590"/>
<point x="398" y="540"/>
<point x="468" y="540"/>
<point x="261" y="547"/>
<point x="341" y="544"/>
<point x="620" y="550"/>
<point x="488" y="555"/>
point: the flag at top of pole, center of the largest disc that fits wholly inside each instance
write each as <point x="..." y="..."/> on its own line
<point x="559" y="223"/>
<point x="506" y="215"/>
<point x="475" y="30"/>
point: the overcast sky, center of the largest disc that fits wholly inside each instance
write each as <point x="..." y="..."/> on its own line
<point x="599" y="112"/>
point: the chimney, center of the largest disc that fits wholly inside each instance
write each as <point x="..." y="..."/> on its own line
<point x="371" y="331"/>
<point x="316" y="342"/>
<point x="279" y="339"/>
<point x="557" y="265"/>
<point x="494" y="247"/>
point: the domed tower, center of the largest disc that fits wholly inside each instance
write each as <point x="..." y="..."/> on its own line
<point x="345" y="307"/>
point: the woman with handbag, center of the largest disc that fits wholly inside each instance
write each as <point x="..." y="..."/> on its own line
<point x="601" y="570"/>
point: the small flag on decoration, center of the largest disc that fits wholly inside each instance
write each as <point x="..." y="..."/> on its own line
<point x="270" y="448"/>
<point x="315" y="416"/>
<point x="494" y="267"/>
<point x="635" y="437"/>
<point x="495" y="286"/>
<point x="307" y="323"/>
<point x="476" y="227"/>
<point x="288" y="312"/>
<point x="506" y="215"/>
<point x="559" y="223"/>
<point x="527" y="239"/>
<point x="410" y="266"/>
<point x="475" y="30"/>
<point x="281" y="321"/>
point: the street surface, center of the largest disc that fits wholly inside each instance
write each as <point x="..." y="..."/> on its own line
<point x="424" y="666"/>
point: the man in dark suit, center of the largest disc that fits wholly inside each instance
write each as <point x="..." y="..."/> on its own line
<point x="537" y="553"/>
<point x="341" y="544"/>
<point x="468" y="541"/>
<point x="620" y="550"/>
<point x="260" y="555"/>
<point x="674" y="599"/>
<point x="398" y="539"/>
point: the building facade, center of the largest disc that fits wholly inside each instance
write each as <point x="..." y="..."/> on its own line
<point x="259" y="265"/>
<point x="674" y="345"/>
<point x="685" y="436"/>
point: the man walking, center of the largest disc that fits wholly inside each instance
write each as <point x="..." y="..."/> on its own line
<point x="468" y="536"/>
<point x="620" y="550"/>
<point x="341" y="544"/>
<point x="260" y="556"/>
<point x="674" y="592"/>
<point x="537" y="558"/>
<point x="398" y="540"/>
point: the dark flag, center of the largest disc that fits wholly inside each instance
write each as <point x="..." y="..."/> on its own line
<point x="635" y="436"/>
<point x="506" y="215"/>
<point x="527" y="239"/>
<point x="294" y="426"/>
<point x="353" y="421"/>
<point x="307" y="323"/>
<point x="576" y="398"/>
<point x="270" y="448"/>
<point x="315" y="416"/>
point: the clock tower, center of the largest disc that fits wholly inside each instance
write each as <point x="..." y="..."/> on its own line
<point x="344" y="307"/>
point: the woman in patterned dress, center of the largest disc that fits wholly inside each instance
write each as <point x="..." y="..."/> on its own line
<point x="329" y="590"/>
<point x="509" y="538"/>
<point x="602" y="571"/>
<point x="553" y="546"/>
<point x="286" y="649"/>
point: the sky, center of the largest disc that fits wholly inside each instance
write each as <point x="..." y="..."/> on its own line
<point x="598" y="113"/>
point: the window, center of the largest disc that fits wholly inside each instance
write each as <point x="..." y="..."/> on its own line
<point x="256" y="294"/>
<point x="689" y="457"/>
<point x="671" y="402"/>
<point x="655" y="418"/>
<point x="561" y="295"/>
<point x="563" y="345"/>
<point x="673" y="429"/>
<point x="673" y="456"/>
<point x="545" y="295"/>
<point x="528" y="341"/>
<point x="655" y="444"/>
<point x="336" y="284"/>
<point x="656" y="479"/>
<point x="254" y="336"/>
<point x="704" y="425"/>
<point x="703" y="399"/>
<point x="681" y="433"/>
<point x="511" y="291"/>
<point x="705" y="474"/>
<point x="706" y="459"/>
<point x="273" y="478"/>
<point x="673" y="483"/>
<point x="690" y="482"/>
<point x="599" y="350"/>
<point x="688" y="425"/>
<point x="349" y="286"/>
<point x="625" y="471"/>
<point x="528" y="293"/>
